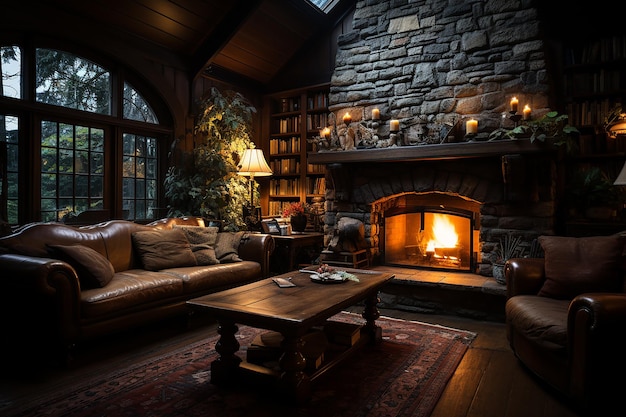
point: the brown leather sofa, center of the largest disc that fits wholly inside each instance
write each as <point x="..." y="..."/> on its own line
<point x="45" y="305"/>
<point x="566" y="320"/>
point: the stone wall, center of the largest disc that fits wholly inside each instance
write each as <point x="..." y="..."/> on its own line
<point x="432" y="65"/>
<point x="438" y="62"/>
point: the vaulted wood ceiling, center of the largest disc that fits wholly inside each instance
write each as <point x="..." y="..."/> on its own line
<point x="253" y="39"/>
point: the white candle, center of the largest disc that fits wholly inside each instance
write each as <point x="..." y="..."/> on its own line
<point x="394" y="125"/>
<point x="526" y="112"/>
<point x="471" y="126"/>
<point x="514" y="104"/>
<point x="375" y="114"/>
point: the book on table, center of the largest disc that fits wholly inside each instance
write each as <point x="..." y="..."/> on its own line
<point x="266" y="349"/>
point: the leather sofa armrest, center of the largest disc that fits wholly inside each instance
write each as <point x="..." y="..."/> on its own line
<point x="596" y="340"/>
<point x="524" y="276"/>
<point x="258" y="247"/>
<point x="42" y="289"/>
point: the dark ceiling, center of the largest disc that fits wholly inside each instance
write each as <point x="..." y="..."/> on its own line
<point x="249" y="39"/>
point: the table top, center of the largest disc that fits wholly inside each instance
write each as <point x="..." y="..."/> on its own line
<point x="264" y="304"/>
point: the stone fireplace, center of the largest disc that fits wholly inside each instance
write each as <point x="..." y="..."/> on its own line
<point x="430" y="66"/>
<point x="485" y="189"/>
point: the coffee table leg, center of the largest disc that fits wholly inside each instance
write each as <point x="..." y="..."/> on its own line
<point x="370" y="314"/>
<point x="293" y="380"/>
<point x="224" y="368"/>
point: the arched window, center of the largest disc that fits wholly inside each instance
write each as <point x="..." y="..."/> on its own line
<point x="67" y="151"/>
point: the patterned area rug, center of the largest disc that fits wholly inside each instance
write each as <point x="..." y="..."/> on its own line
<point x="402" y="376"/>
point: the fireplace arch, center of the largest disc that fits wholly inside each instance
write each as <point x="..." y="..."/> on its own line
<point x="368" y="191"/>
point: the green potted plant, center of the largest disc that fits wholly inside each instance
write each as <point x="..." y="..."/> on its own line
<point x="550" y="125"/>
<point x="204" y="181"/>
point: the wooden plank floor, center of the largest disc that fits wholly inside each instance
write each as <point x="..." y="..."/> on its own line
<point x="489" y="381"/>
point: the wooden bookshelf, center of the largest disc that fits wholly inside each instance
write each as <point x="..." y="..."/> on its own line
<point x="290" y="118"/>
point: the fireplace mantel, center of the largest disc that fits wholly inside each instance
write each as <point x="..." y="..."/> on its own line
<point x="432" y="152"/>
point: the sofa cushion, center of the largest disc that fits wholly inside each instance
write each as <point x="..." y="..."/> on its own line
<point x="575" y="266"/>
<point x="202" y="241"/>
<point x="165" y="248"/>
<point x="540" y="319"/>
<point x="227" y="246"/>
<point x="93" y="269"/>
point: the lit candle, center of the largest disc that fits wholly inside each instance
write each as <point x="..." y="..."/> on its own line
<point x="471" y="127"/>
<point x="526" y="112"/>
<point x="347" y="118"/>
<point x="514" y="103"/>
<point x="394" y="125"/>
<point x="325" y="133"/>
<point x="375" y="114"/>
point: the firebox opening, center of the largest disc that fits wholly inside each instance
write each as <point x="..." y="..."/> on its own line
<point x="431" y="237"/>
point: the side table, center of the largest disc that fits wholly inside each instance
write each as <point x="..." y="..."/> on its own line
<point x="290" y="248"/>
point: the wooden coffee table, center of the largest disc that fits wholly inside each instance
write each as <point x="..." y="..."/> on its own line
<point x="292" y="311"/>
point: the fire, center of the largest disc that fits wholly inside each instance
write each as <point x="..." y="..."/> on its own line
<point x="444" y="233"/>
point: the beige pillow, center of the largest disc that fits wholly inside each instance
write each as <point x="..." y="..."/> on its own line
<point x="579" y="265"/>
<point x="227" y="246"/>
<point x="202" y="241"/>
<point x="94" y="269"/>
<point x="161" y="249"/>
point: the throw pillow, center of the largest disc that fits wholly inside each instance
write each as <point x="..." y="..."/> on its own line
<point x="202" y="240"/>
<point x="575" y="266"/>
<point x="227" y="246"/>
<point x="161" y="249"/>
<point x="94" y="270"/>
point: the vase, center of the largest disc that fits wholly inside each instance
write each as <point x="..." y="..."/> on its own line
<point x="298" y="223"/>
<point x="498" y="273"/>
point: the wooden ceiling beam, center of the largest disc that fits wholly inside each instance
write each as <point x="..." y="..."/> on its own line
<point x="220" y="36"/>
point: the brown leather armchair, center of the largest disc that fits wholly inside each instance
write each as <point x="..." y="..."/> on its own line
<point x="574" y="342"/>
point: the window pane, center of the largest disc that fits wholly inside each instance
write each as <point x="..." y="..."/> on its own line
<point x="97" y="163"/>
<point x="9" y="129"/>
<point x="76" y="183"/>
<point x="10" y="63"/>
<point x="135" y="107"/>
<point x="97" y="140"/>
<point x="139" y="163"/>
<point x="66" y="80"/>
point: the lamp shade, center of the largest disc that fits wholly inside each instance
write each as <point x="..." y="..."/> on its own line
<point x="621" y="178"/>
<point x="253" y="164"/>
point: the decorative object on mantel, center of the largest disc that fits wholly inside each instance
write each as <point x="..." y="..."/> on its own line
<point x="615" y="123"/>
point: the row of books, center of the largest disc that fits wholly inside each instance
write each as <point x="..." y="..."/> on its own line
<point x="276" y="208"/>
<point x="315" y="168"/>
<point x="285" y="166"/>
<point x="285" y="186"/>
<point x="606" y="49"/>
<point x="594" y="82"/>
<point x="590" y="113"/>
<point x="316" y="121"/>
<point x="289" y="124"/>
<point x="285" y="145"/>
<point x="317" y="101"/>
<point x="315" y="185"/>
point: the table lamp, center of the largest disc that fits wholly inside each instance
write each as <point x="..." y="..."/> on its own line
<point x="253" y="164"/>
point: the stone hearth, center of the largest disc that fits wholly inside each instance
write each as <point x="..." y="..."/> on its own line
<point x="514" y="193"/>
